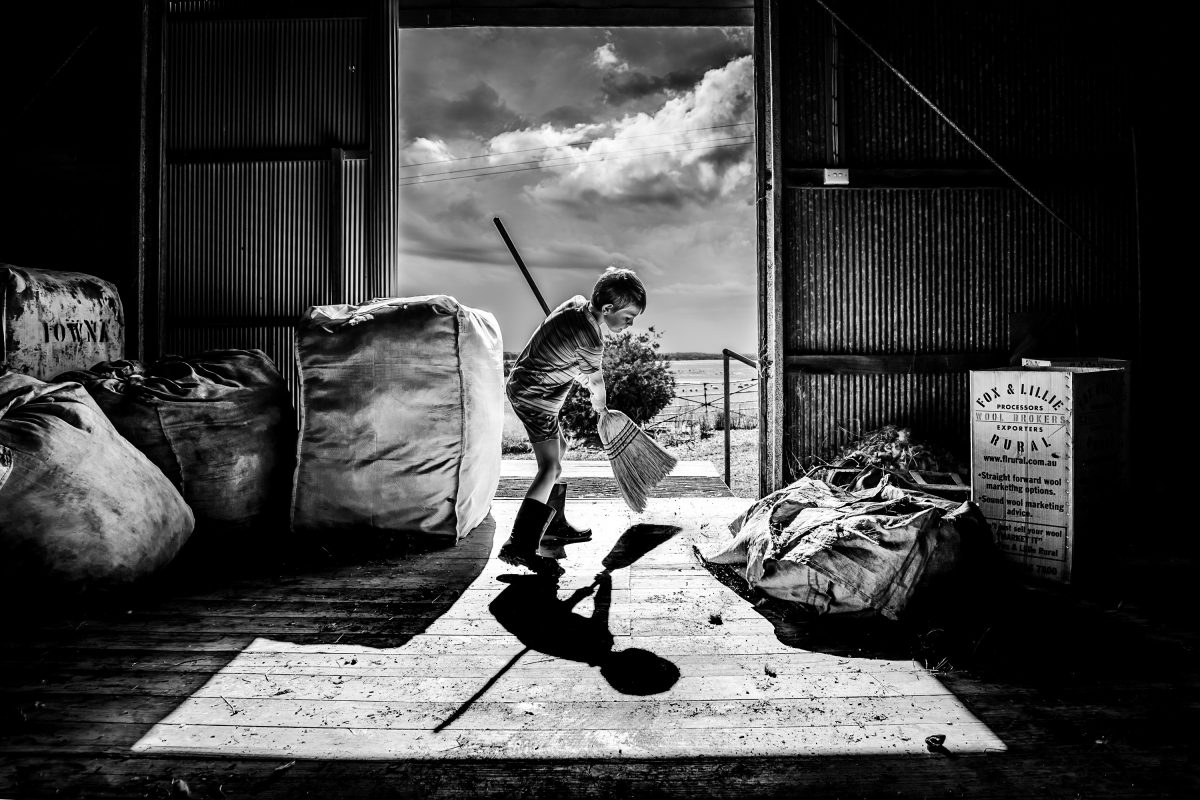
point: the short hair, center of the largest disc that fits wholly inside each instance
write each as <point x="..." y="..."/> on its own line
<point x="620" y="287"/>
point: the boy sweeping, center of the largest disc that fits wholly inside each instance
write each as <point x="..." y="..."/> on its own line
<point x="567" y="346"/>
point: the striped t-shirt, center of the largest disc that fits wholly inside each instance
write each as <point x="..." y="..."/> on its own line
<point x="565" y="346"/>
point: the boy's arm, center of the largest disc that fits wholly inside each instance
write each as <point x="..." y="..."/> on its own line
<point x="598" y="390"/>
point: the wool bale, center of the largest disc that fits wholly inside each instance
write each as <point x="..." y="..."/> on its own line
<point x="52" y="322"/>
<point x="79" y="504"/>
<point x="402" y="410"/>
<point x="218" y="424"/>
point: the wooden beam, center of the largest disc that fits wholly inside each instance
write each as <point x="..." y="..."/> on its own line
<point x="942" y="178"/>
<point x="853" y="364"/>
<point x="769" y="199"/>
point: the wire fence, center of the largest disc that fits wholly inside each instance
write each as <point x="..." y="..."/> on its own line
<point x="700" y="405"/>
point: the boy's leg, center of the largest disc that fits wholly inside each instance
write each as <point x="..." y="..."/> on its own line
<point x="534" y="515"/>
<point x="559" y="529"/>
<point x="549" y="460"/>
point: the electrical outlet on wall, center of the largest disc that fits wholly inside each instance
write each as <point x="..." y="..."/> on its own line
<point x="837" y="176"/>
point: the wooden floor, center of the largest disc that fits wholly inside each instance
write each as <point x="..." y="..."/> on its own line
<point x="404" y="669"/>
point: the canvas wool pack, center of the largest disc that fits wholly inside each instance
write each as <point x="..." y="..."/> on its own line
<point x="80" y="506"/>
<point x="219" y="424"/>
<point x="402" y="408"/>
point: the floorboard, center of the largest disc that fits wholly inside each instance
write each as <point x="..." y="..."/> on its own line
<point x="411" y="669"/>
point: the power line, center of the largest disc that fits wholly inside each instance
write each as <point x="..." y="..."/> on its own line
<point x="570" y="160"/>
<point x="543" y="165"/>
<point x="570" y="144"/>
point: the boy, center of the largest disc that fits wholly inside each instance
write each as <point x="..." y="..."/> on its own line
<point x="567" y="346"/>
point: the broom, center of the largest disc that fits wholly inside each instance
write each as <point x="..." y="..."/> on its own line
<point x="638" y="462"/>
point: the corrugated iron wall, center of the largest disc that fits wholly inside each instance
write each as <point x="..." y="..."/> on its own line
<point x="931" y="261"/>
<point x="892" y="271"/>
<point x="264" y="188"/>
<point x="265" y="83"/>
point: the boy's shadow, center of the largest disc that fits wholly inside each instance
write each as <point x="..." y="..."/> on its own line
<point x="529" y="608"/>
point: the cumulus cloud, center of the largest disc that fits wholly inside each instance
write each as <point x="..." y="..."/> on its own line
<point x="459" y="229"/>
<point x="605" y="58"/>
<point x="425" y="151"/>
<point x="478" y="111"/>
<point x="695" y="148"/>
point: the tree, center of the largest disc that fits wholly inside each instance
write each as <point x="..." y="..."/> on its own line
<point x="639" y="383"/>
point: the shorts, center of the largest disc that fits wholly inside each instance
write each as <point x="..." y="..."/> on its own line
<point x="540" y="425"/>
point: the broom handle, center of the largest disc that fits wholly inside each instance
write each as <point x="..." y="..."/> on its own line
<point x="517" y="257"/>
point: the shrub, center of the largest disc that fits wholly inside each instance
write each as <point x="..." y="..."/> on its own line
<point x="639" y="383"/>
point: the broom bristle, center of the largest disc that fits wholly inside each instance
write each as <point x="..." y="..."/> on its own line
<point x="638" y="462"/>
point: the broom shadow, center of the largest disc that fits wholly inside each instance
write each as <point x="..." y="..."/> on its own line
<point x="529" y="608"/>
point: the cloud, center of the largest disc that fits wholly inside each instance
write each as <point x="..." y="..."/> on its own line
<point x="425" y="151"/>
<point x="605" y="58"/>
<point x="476" y="112"/>
<point x="620" y="88"/>
<point x="460" y="230"/>
<point x="719" y="289"/>
<point x="568" y="116"/>
<point x="695" y="148"/>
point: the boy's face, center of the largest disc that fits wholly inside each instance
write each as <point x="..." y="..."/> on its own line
<point x="618" y="319"/>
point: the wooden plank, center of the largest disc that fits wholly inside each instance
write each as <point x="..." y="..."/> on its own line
<point x="672" y="486"/>
<point x="309" y="742"/>
<point x="572" y="469"/>
<point x="1063" y="771"/>
<point x="634" y="713"/>
<point x="571" y="681"/>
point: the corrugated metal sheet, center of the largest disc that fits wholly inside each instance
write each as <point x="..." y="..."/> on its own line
<point x="248" y="239"/>
<point x="1038" y="86"/>
<point x="827" y="412"/>
<point x="1031" y="82"/>
<point x="354" y="233"/>
<point x="265" y="83"/>
<point x="887" y="271"/>
<point x="804" y="104"/>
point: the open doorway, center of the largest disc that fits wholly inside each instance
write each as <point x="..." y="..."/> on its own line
<point x="626" y="146"/>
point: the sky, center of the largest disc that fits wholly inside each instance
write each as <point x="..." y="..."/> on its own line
<point x="625" y="146"/>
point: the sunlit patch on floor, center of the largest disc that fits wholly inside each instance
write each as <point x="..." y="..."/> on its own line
<point x="488" y="680"/>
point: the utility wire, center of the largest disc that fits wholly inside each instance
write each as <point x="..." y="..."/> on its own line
<point x="567" y="164"/>
<point x="572" y="144"/>
<point x="571" y="159"/>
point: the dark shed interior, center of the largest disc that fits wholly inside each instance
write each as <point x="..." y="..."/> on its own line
<point x="1035" y="216"/>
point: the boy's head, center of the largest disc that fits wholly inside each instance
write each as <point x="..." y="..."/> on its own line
<point x="619" y="296"/>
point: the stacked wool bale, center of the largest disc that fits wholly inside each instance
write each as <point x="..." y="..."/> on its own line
<point x="218" y="424"/>
<point x="52" y="321"/>
<point x="402" y="410"/>
<point x="79" y="504"/>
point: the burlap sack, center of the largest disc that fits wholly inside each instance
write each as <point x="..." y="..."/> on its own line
<point x="218" y="424"/>
<point x="79" y="504"/>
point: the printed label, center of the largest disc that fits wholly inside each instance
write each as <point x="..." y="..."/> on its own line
<point x="1019" y="427"/>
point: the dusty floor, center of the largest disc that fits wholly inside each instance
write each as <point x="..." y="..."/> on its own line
<point x="417" y="671"/>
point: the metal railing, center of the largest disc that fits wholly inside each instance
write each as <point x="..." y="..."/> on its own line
<point x="727" y="354"/>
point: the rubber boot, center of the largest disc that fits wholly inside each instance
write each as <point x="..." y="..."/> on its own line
<point x="559" y="530"/>
<point x="521" y="548"/>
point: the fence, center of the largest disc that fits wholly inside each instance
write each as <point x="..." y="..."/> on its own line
<point x="701" y="404"/>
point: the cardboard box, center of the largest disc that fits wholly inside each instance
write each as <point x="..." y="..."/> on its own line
<point x="1048" y="451"/>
